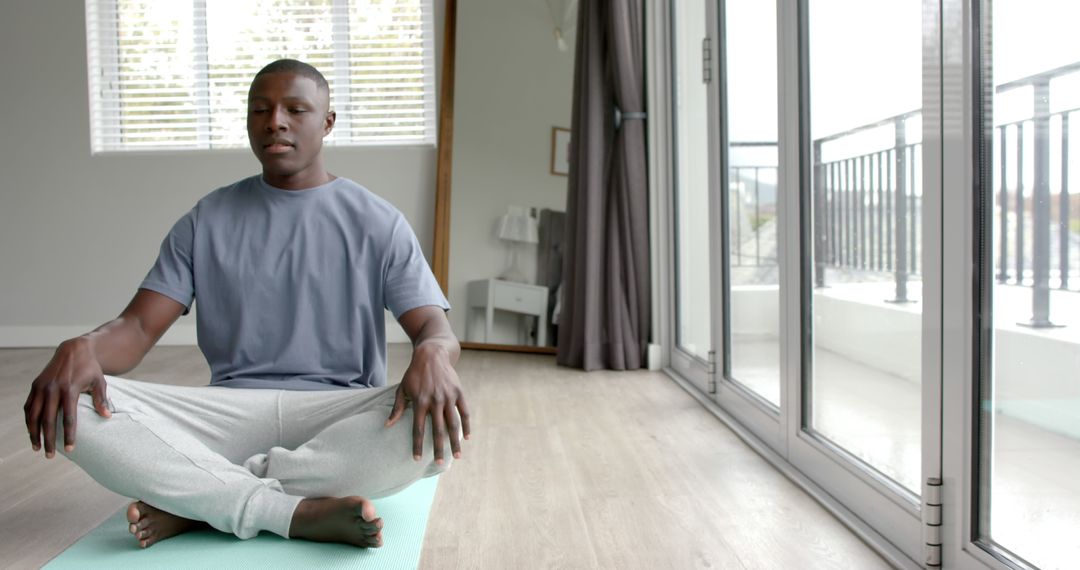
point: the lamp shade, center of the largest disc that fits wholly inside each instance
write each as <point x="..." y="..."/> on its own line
<point x="517" y="225"/>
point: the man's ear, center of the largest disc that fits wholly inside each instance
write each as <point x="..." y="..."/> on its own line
<point x="331" y="118"/>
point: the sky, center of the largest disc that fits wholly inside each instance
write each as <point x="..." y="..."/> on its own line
<point x="866" y="60"/>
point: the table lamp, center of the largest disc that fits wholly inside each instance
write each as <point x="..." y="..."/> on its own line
<point x="517" y="227"/>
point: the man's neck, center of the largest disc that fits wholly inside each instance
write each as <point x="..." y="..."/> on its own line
<point x="298" y="181"/>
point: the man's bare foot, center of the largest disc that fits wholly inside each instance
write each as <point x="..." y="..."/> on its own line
<point x="151" y="525"/>
<point x="350" y="520"/>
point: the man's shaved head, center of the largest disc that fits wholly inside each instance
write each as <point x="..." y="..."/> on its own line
<point x="298" y="68"/>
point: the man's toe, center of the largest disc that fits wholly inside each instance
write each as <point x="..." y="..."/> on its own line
<point x="133" y="513"/>
<point x="147" y="540"/>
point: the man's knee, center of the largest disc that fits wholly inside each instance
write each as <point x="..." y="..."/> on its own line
<point x="87" y="426"/>
<point x="383" y="465"/>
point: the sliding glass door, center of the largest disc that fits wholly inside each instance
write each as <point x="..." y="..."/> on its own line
<point x="814" y="222"/>
<point x="752" y="217"/>
<point x="877" y="259"/>
<point x="1029" y="418"/>
<point x="863" y="285"/>
<point x="1021" y="452"/>
<point x="863" y="279"/>
<point x="693" y="115"/>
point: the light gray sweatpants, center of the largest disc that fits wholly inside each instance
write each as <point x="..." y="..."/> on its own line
<point x="243" y="459"/>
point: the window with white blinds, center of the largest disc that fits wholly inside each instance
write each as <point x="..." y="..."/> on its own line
<point x="174" y="74"/>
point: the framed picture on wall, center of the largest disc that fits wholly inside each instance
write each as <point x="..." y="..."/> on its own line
<point x="560" y="151"/>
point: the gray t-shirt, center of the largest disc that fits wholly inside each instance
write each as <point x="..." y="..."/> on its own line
<point x="291" y="285"/>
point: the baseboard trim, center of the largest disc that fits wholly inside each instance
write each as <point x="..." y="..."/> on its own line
<point x="655" y="357"/>
<point x="50" y="336"/>
<point x="180" y="334"/>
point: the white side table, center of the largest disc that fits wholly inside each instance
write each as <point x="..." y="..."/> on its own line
<point x="494" y="294"/>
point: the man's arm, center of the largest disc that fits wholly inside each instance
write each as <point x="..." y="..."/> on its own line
<point x="431" y="383"/>
<point x="80" y="364"/>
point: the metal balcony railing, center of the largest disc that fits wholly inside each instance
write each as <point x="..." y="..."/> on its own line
<point x="746" y="186"/>
<point x="867" y="208"/>
<point x="1025" y="210"/>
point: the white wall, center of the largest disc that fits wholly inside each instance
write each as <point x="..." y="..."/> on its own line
<point x="79" y="232"/>
<point x="512" y="86"/>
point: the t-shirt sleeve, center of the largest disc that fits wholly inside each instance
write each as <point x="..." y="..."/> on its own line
<point x="172" y="274"/>
<point x="409" y="282"/>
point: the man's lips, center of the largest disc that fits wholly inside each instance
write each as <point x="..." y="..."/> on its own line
<point x="277" y="147"/>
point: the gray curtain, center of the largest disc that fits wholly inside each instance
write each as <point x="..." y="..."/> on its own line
<point x="606" y="299"/>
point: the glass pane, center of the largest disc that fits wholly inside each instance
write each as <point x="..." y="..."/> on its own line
<point x="691" y="180"/>
<point x="865" y="260"/>
<point x="242" y="36"/>
<point x="753" y="316"/>
<point x="1030" y="490"/>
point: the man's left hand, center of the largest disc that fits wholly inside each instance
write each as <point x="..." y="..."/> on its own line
<point x="431" y="385"/>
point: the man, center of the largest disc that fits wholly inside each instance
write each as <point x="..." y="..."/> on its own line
<point x="292" y="270"/>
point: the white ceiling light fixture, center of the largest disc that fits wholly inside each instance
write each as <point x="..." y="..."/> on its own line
<point x="563" y="18"/>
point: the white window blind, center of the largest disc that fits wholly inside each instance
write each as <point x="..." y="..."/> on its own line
<point x="174" y="74"/>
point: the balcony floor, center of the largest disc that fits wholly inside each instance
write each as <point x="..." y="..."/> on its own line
<point x="876" y="416"/>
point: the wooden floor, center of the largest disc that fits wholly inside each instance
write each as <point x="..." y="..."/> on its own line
<point x="566" y="469"/>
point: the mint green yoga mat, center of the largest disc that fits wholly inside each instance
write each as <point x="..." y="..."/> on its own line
<point x="404" y="515"/>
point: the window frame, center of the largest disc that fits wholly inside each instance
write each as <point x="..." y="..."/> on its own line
<point x="104" y="97"/>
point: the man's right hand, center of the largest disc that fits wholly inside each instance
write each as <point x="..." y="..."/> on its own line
<point x="72" y="371"/>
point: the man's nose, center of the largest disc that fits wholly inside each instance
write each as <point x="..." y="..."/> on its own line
<point x="277" y="120"/>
